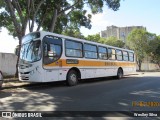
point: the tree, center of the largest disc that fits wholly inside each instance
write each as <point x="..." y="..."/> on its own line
<point x="154" y="50"/>
<point x="102" y="40"/>
<point x="113" y="41"/>
<point x="138" y="41"/>
<point x="50" y="15"/>
<point x="73" y="32"/>
<point x="94" y="38"/>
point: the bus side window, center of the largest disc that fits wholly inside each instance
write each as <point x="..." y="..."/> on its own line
<point x="111" y="54"/>
<point x="90" y="51"/>
<point x="52" y="49"/>
<point x="119" y="55"/>
<point x="131" y="57"/>
<point x="102" y="53"/>
<point x="125" y="55"/>
<point x="73" y="49"/>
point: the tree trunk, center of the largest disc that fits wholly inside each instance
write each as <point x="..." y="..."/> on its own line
<point x="19" y="48"/>
<point x="54" y="19"/>
<point x="140" y="65"/>
<point x="158" y="65"/>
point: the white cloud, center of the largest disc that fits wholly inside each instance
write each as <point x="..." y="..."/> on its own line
<point x="100" y="20"/>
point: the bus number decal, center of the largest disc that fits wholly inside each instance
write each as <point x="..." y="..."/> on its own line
<point x="72" y="61"/>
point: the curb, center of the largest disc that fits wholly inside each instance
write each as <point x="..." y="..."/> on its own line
<point x="26" y="84"/>
<point x="9" y="85"/>
<point x="10" y="80"/>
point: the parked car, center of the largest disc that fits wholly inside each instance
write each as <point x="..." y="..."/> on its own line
<point x="1" y="79"/>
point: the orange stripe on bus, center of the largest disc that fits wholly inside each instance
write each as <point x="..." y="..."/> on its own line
<point x="63" y="62"/>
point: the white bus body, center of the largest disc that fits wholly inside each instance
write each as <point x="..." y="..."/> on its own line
<point x="47" y="57"/>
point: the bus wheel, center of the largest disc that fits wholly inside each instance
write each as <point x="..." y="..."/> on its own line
<point x="72" y="78"/>
<point x="119" y="73"/>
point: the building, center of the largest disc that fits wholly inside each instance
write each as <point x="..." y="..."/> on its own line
<point x="120" y="33"/>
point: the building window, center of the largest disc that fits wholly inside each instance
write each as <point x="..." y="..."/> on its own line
<point x="90" y="51"/>
<point x="73" y="49"/>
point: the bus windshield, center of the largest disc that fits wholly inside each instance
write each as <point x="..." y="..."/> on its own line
<point x="31" y="51"/>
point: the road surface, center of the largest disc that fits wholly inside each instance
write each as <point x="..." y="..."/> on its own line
<point x="132" y="93"/>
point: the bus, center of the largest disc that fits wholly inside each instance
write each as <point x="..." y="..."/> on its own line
<point x="47" y="57"/>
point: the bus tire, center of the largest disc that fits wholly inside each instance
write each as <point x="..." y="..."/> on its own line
<point x="119" y="73"/>
<point x="72" y="78"/>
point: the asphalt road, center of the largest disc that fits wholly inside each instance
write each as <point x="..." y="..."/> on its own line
<point x="105" y="94"/>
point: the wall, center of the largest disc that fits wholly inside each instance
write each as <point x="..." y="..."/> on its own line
<point x="8" y="63"/>
<point x="149" y="66"/>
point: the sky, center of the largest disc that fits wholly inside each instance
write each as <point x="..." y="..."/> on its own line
<point x="131" y="13"/>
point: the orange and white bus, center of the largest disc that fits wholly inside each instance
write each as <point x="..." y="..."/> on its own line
<point x="46" y="57"/>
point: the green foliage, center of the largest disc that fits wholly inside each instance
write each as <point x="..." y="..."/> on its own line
<point x="69" y="13"/>
<point x="154" y="50"/>
<point x="97" y="5"/>
<point x="144" y="43"/>
<point x="102" y="40"/>
<point x="138" y="41"/>
<point x="5" y="18"/>
<point x="113" y="41"/>
<point x="73" y="32"/>
<point x="94" y="38"/>
<point x="76" y="17"/>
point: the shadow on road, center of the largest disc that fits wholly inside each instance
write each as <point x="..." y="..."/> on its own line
<point x="4" y="94"/>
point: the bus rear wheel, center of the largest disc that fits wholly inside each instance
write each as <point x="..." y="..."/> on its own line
<point x="72" y="78"/>
<point x="119" y="73"/>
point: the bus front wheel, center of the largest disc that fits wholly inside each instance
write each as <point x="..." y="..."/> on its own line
<point x="72" y="78"/>
<point x="119" y="73"/>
